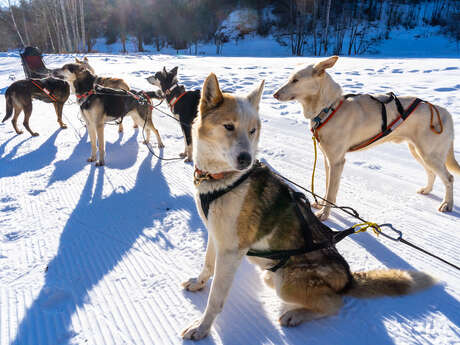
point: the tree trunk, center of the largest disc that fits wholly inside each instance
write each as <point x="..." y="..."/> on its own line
<point x="14" y="23"/>
<point x="328" y="10"/>
<point x="82" y="25"/>
<point x="66" y="28"/>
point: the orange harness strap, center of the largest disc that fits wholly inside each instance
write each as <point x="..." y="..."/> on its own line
<point x="45" y="91"/>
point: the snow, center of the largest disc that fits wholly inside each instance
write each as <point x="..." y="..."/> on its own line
<point x="96" y="255"/>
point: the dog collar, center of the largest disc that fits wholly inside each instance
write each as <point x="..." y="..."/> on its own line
<point x="171" y="89"/>
<point x="324" y="115"/>
<point x="200" y="176"/>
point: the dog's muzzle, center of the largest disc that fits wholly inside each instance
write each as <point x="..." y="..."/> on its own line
<point x="244" y="159"/>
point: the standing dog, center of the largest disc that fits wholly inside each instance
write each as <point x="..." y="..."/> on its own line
<point x="104" y="104"/>
<point x="113" y="83"/>
<point x="183" y="104"/>
<point x="19" y="97"/>
<point x="352" y="121"/>
<point x="246" y="208"/>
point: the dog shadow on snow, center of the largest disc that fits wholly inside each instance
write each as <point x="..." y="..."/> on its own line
<point x="360" y="321"/>
<point x="99" y="233"/>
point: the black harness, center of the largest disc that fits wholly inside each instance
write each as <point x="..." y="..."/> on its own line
<point x="207" y="198"/>
<point x="298" y="199"/>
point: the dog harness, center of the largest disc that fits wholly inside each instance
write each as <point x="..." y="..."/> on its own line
<point x="45" y="90"/>
<point x="320" y="120"/>
<point x="283" y="256"/>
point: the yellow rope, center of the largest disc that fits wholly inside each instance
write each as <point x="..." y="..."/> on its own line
<point x="362" y="227"/>
<point x="314" y="169"/>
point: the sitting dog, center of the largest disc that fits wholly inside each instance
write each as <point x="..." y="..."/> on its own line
<point x="247" y="209"/>
<point x="183" y="104"/>
<point x="19" y="97"/>
<point x="104" y="104"/>
<point x="113" y="83"/>
<point x="344" y="124"/>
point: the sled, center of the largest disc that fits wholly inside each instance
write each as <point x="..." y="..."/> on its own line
<point x="32" y="62"/>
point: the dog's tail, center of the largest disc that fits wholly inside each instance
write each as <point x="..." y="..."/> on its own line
<point x="451" y="163"/>
<point x="9" y="106"/>
<point x="388" y="283"/>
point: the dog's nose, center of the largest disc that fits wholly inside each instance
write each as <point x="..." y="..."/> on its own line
<point x="276" y="95"/>
<point x="244" y="160"/>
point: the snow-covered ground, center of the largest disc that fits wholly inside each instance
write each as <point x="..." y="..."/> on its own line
<point x="96" y="255"/>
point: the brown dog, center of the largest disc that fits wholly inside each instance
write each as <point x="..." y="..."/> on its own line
<point x="20" y="94"/>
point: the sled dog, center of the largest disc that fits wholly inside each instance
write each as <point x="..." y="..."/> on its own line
<point x="113" y="83"/>
<point x="19" y="97"/>
<point x="183" y="104"/>
<point x="99" y="105"/>
<point x="347" y="123"/>
<point x="247" y="208"/>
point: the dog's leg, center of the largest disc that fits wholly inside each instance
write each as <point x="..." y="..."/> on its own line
<point x="100" y="142"/>
<point x="195" y="284"/>
<point x="335" y="172"/>
<point x="227" y="262"/>
<point x="27" y="114"/>
<point x="14" y="121"/>
<point x="436" y="164"/>
<point x="429" y="173"/>
<point x="306" y="297"/>
<point x="92" y="137"/>
<point x="58" y="108"/>
<point x="160" y="143"/>
<point x="120" y="127"/>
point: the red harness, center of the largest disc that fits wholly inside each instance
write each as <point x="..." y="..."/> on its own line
<point x="175" y="100"/>
<point x="403" y="115"/>
<point x="85" y="95"/>
<point x="45" y="91"/>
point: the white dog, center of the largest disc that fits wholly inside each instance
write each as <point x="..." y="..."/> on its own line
<point x="347" y="124"/>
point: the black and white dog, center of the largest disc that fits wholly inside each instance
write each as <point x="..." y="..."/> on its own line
<point x="99" y="105"/>
<point x="183" y="104"/>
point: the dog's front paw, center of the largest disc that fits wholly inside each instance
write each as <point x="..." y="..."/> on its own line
<point x="188" y="160"/>
<point x="19" y="132"/>
<point x="292" y="318"/>
<point x="100" y="163"/>
<point x="182" y="154"/>
<point x="317" y="205"/>
<point x="193" y="284"/>
<point x="35" y="134"/>
<point x="91" y="159"/>
<point x="63" y="126"/>
<point x="135" y="126"/>
<point x="424" y="190"/>
<point x="446" y="206"/>
<point x="161" y="145"/>
<point x="323" y="214"/>
<point x="195" y="331"/>
<point x="145" y="142"/>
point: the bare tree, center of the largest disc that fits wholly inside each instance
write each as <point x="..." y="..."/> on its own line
<point x="82" y="25"/>
<point x="66" y="28"/>
<point x="328" y="11"/>
<point x="14" y="23"/>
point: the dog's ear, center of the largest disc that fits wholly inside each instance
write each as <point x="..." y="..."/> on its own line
<point x="255" y="96"/>
<point x="164" y="70"/>
<point x="320" y="67"/>
<point x="174" y="70"/>
<point x="85" y="59"/>
<point x="211" y="96"/>
<point x="77" y="60"/>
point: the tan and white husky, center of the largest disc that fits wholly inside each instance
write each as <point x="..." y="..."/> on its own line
<point x="245" y="207"/>
<point x="359" y="118"/>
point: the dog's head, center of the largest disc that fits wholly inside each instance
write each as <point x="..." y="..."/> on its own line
<point x="71" y="72"/>
<point x="305" y="82"/>
<point x="226" y="132"/>
<point x="164" y="79"/>
<point x="85" y="64"/>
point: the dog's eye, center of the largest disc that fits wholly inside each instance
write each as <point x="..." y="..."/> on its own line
<point x="295" y="80"/>
<point x="252" y="131"/>
<point x="229" y="127"/>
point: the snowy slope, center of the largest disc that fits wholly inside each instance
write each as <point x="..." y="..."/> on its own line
<point x="96" y="255"/>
